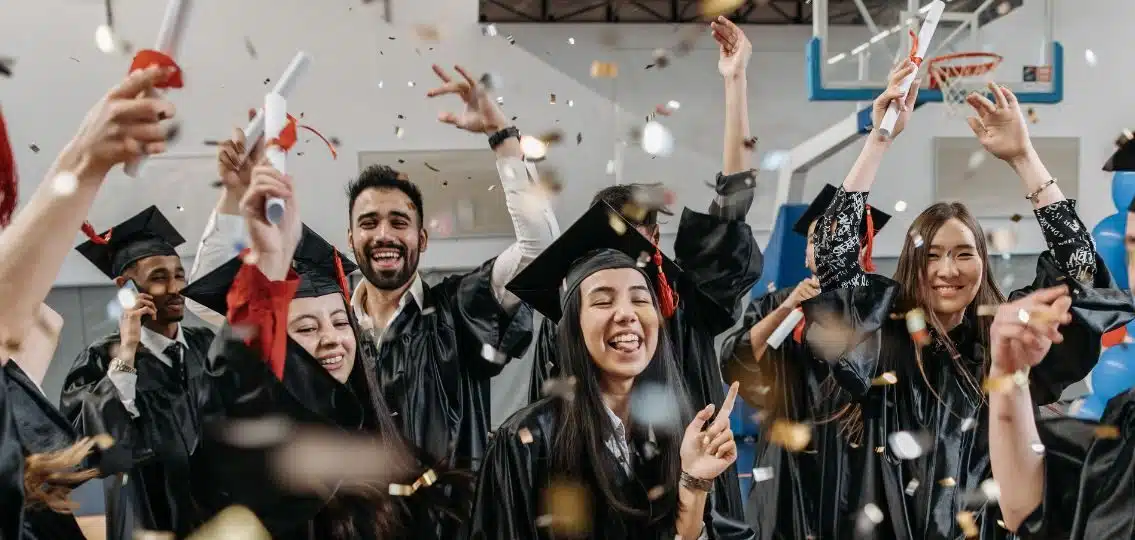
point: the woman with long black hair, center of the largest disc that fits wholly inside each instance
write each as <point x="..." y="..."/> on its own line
<point x="623" y="435"/>
<point x="911" y="354"/>
<point x="292" y="351"/>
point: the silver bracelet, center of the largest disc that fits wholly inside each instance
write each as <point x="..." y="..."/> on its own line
<point x="1036" y="194"/>
<point x="695" y="483"/>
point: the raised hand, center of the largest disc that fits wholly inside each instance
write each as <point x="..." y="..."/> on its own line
<point x="894" y="93"/>
<point x="733" y="46"/>
<point x="706" y="454"/>
<point x="999" y="124"/>
<point x="273" y="245"/>
<point x="121" y="127"/>
<point x="236" y="171"/>
<point x="481" y="114"/>
<point x="805" y="290"/>
<point x="130" y="326"/>
<point x="1024" y="330"/>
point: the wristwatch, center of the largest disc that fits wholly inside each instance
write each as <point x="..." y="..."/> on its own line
<point x="119" y="364"/>
<point x="503" y="135"/>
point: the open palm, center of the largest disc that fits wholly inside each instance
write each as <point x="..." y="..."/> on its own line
<point x="706" y="454"/>
<point x="481" y="114"/>
<point x="734" y="48"/>
<point x="999" y="125"/>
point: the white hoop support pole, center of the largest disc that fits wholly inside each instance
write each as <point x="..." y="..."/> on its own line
<point x="925" y="34"/>
<point x="169" y="38"/>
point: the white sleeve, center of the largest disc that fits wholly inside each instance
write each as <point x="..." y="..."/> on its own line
<point x="532" y="220"/>
<point x="126" y="384"/>
<point x="218" y="244"/>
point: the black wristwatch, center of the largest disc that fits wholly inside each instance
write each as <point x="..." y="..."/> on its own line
<point x="496" y="139"/>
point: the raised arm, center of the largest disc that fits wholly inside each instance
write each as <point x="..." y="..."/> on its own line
<point x="734" y="198"/>
<point x="120" y="127"/>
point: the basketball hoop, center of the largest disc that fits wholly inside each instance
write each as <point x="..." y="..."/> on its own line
<point x="960" y="74"/>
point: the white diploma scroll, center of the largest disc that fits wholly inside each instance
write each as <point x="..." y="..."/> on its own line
<point x="925" y="34"/>
<point x="169" y="37"/>
<point x="284" y="86"/>
<point x="785" y="328"/>
<point x="275" y="119"/>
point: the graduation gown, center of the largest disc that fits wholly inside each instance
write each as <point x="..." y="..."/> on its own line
<point x="1088" y="487"/>
<point x="161" y="439"/>
<point x="721" y="261"/>
<point x="788" y="383"/>
<point x="435" y="362"/>
<point x="515" y="473"/>
<point x="921" y="497"/>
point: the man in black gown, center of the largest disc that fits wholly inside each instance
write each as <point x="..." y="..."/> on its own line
<point x="144" y="385"/>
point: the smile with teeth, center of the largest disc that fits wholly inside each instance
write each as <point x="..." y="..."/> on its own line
<point x="331" y="362"/>
<point x="626" y="342"/>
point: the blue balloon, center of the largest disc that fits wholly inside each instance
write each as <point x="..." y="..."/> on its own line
<point x="1091" y="408"/>
<point x="1114" y="372"/>
<point x="1109" y="234"/>
<point x="1122" y="189"/>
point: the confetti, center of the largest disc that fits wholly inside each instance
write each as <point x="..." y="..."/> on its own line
<point x="551" y="99"/>
<point x="1107" y="432"/>
<point x="790" y="435"/>
<point x="912" y="486"/>
<point x="990" y="489"/>
<point x="617" y="223"/>
<point x="610" y="166"/>
<point x="105" y="39"/>
<point x="604" y="70"/>
<point x="885" y="379"/>
<point x="661" y="59"/>
<point x="988" y="310"/>
<point x="762" y="474"/>
<point x="6" y="66"/>
<point x="427" y="479"/>
<point x="313" y="458"/>
<point x="563" y="388"/>
<point x="916" y="239"/>
<point x="750" y="143"/>
<point x="232" y="522"/>
<point x="948" y="482"/>
<point x="968" y="424"/>
<point x="774" y="160"/>
<point x="256" y="433"/>
<point x="410" y="84"/>
<point x="143" y="534"/>
<point x="653" y="405"/>
<point x="998" y="385"/>
<point x="34" y="148"/>
<point x="399" y="132"/>
<point x="65" y="184"/>
<point x="1090" y="57"/>
<point x="907" y="445"/>
<point x="657" y="140"/>
<point x="249" y="47"/>
<point x="571" y="41"/>
<point x="900" y="206"/>
<point x="534" y="149"/>
<point x="567" y="509"/>
<point x="428" y="33"/>
<point x="489" y="30"/>
<point x="1037" y="447"/>
<point x="968" y="524"/>
<point x="916" y="325"/>
<point x="868" y="518"/>
<point x="713" y="8"/>
<point x="976" y="159"/>
<point x="1032" y="115"/>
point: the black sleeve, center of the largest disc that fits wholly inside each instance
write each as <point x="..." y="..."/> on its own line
<point x="737" y="360"/>
<point x="1069" y="240"/>
<point x="721" y="261"/>
<point x="90" y="401"/>
<point x="836" y="238"/>
<point x="506" y="504"/>
<point x="1098" y="306"/>
<point x="11" y="469"/>
<point x="734" y="195"/>
<point x="845" y="329"/>
<point x="489" y="337"/>
<point x="1067" y="442"/>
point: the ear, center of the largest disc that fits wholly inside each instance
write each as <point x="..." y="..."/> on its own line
<point x="423" y="239"/>
<point x="350" y="238"/>
<point x="120" y="281"/>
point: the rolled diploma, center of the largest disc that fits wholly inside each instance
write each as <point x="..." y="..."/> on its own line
<point x="169" y="37"/>
<point x="284" y="86"/>
<point x="785" y="328"/>
<point x="925" y="34"/>
<point x="275" y="118"/>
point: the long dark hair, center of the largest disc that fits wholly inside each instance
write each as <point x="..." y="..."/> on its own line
<point x="579" y="449"/>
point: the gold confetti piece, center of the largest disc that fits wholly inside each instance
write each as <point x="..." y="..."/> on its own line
<point x="617" y="224"/>
<point x="880" y="449"/>
<point x="604" y="70"/>
<point x="428" y="32"/>
<point x="885" y="379"/>
<point x="790" y="435"/>
<point x="142" y="534"/>
<point x="232" y="523"/>
<point x="712" y="8"/>
<point x="948" y="482"/>
<point x="567" y="508"/>
<point x="1001" y="524"/>
<point x="103" y="441"/>
<point x="999" y="385"/>
<point x="988" y="310"/>
<point x="968" y="524"/>
<point x="916" y="325"/>
<point x="552" y="99"/>
<point x="655" y="493"/>
<point x="1032" y="115"/>
<point x="525" y="436"/>
<point x="425" y="480"/>
<point x="1107" y="432"/>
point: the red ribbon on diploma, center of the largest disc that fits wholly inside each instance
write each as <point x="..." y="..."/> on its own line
<point x="149" y="57"/>
<point x="914" y="49"/>
<point x="287" y="138"/>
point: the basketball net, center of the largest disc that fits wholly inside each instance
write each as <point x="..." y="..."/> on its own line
<point x="960" y="74"/>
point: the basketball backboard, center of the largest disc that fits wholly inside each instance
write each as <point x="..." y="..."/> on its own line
<point x="851" y="62"/>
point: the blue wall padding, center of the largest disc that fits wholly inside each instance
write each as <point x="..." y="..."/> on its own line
<point x="784" y="254"/>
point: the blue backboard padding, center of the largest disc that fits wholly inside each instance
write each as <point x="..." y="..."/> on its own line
<point x="784" y="254"/>
<point x="813" y="75"/>
<point x="746" y="453"/>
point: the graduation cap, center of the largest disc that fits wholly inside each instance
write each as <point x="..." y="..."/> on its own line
<point x="322" y="270"/>
<point x="147" y="234"/>
<point x="600" y="240"/>
<point x="871" y="226"/>
<point x="1123" y="159"/>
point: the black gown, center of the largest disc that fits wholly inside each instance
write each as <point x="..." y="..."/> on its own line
<point x="788" y="383"/>
<point x="161" y="439"/>
<point x="720" y="263"/>
<point x="921" y="497"/>
<point x="508" y="500"/>
<point x="435" y="362"/>
<point x="1089" y="481"/>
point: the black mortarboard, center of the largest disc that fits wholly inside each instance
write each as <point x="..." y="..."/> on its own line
<point x="147" y="234"/>
<point x="600" y="240"/>
<point x="879" y="218"/>
<point x="314" y="262"/>
<point x="1123" y="159"/>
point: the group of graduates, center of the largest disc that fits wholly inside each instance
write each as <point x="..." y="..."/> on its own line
<point x="327" y="413"/>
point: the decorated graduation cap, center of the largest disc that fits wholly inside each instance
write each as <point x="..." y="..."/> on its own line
<point x="147" y="234"/>
<point x="600" y="240"/>
<point x="1124" y="157"/>
<point x="321" y="268"/>
<point x="871" y="226"/>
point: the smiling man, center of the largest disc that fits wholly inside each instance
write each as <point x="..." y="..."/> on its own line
<point x="142" y="384"/>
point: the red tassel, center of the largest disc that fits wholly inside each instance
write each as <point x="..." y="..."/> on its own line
<point x="9" y="183"/>
<point x="149" y="57"/>
<point x="287" y="138"/>
<point x="666" y="295"/>
<point x="89" y="230"/>
<point x="868" y="263"/>
<point x="341" y="276"/>
<point x="798" y="332"/>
